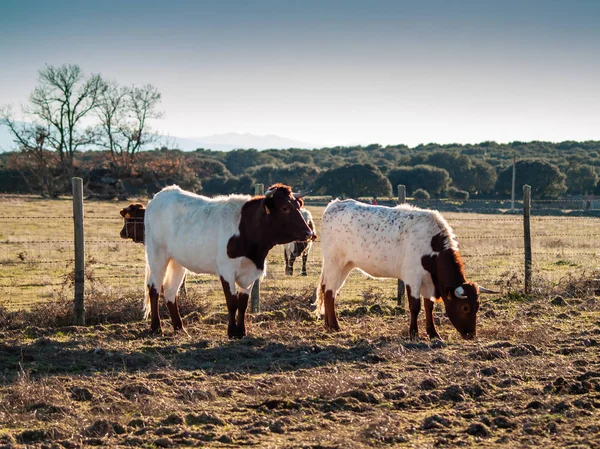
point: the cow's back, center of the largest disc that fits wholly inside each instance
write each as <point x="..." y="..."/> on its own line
<point x="193" y="227"/>
<point x="381" y="241"/>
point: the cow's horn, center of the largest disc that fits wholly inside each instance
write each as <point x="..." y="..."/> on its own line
<point x="485" y="290"/>
<point x="460" y="293"/>
<point x="300" y="194"/>
<point x="269" y="193"/>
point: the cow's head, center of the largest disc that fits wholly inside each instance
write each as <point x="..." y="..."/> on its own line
<point x="134" y="222"/>
<point x="461" y="298"/>
<point x="462" y="305"/>
<point x="282" y="209"/>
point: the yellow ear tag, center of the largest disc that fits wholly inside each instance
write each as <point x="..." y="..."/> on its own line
<point x="127" y="215"/>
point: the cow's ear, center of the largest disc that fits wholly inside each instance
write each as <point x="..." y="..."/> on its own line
<point x="124" y="212"/>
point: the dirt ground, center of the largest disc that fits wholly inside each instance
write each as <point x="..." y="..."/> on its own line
<point x="531" y="379"/>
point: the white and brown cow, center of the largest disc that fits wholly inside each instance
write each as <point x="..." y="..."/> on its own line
<point x="228" y="235"/>
<point x="293" y="250"/>
<point x="403" y="242"/>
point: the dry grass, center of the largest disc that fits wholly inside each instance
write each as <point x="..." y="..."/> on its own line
<point x="532" y="378"/>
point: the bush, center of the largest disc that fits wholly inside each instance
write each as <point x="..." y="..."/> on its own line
<point x="421" y="194"/>
<point x="457" y="194"/>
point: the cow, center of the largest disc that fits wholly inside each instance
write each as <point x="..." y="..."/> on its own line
<point x="403" y="242"/>
<point x="299" y="248"/>
<point x="133" y="229"/>
<point x="227" y="235"/>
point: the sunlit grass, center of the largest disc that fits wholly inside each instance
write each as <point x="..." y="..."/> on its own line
<point x="36" y="254"/>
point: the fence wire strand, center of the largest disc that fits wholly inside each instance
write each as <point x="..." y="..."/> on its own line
<point x="112" y="261"/>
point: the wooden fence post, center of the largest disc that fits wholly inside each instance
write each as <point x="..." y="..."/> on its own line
<point x="401" y="296"/>
<point x="527" y="236"/>
<point x="514" y="180"/>
<point x="259" y="189"/>
<point x="79" y="306"/>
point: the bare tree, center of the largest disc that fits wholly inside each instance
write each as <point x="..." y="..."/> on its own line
<point x="59" y="105"/>
<point x="124" y="113"/>
<point x="39" y="167"/>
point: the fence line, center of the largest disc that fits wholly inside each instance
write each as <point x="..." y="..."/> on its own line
<point x="30" y="265"/>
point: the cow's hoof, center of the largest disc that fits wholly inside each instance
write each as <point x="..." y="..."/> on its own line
<point x="435" y="337"/>
<point x="334" y="328"/>
<point x="304" y="273"/>
<point x="414" y="335"/>
<point x="156" y="332"/>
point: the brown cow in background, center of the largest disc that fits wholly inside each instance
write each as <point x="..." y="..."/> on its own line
<point x="134" y="222"/>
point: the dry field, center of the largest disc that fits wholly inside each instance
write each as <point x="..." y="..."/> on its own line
<point x="531" y="378"/>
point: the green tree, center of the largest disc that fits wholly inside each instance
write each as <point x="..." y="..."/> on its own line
<point x="299" y="176"/>
<point x="433" y="179"/>
<point x="582" y="179"/>
<point x="545" y="179"/>
<point x="353" y="181"/>
<point x="238" y="161"/>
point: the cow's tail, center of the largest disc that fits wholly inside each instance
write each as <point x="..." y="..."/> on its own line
<point x="320" y="301"/>
<point x="147" y="293"/>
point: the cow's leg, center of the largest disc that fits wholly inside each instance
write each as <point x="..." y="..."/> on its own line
<point x="173" y="281"/>
<point x="332" y="280"/>
<point x="232" y="305"/>
<point x="182" y="289"/>
<point x="286" y="255"/>
<point x="304" y="259"/>
<point x="414" y="302"/>
<point x="290" y="266"/>
<point x="430" y="325"/>
<point x="427" y="292"/>
<point x="155" y="273"/>
<point x="242" y="301"/>
<point x="155" y="327"/>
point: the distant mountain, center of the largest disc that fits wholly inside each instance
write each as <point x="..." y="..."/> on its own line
<point x="231" y="141"/>
<point x="218" y="142"/>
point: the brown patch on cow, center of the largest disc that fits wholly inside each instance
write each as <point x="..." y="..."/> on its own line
<point x="241" y="320"/>
<point x="447" y="272"/>
<point x="331" y="321"/>
<point x="438" y="242"/>
<point x="260" y="231"/>
<point x="231" y="308"/>
<point x="155" y="327"/>
<point x="429" y="323"/>
<point x="175" y="316"/>
<point x="133" y="227"/>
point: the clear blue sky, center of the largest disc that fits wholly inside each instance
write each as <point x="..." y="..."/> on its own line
<point x="329" y="72"/>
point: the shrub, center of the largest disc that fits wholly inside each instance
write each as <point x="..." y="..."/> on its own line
<point x="457" y="194"/>
<point x="421" y="194"/>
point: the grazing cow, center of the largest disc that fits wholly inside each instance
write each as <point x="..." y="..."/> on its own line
<point x="134" y="229"/>
<point x="229" y="236"/>
<point x="299" y="248"/>
<point x="403" y="242"/>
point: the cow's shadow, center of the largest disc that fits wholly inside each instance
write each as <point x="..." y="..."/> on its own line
<point x="47" y="356"/>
